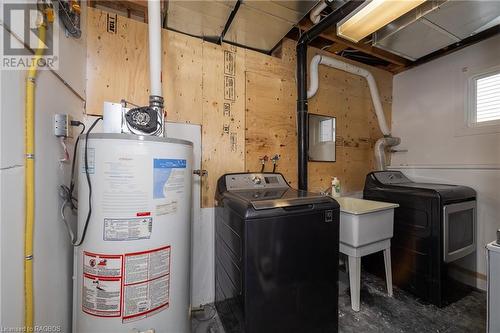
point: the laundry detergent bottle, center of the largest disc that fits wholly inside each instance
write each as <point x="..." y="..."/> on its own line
<point x="335" y="187"/>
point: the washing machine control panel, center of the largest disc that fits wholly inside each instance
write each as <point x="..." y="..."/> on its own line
<point x="249" y="181"/>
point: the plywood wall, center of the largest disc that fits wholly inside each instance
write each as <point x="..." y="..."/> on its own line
<point x="244" y="100"/>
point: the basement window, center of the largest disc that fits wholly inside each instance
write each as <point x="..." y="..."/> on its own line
<point x="327" y="130"/>
<point x="484" y="96"/>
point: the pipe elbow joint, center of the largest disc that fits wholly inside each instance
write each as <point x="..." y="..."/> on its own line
<point x="315" y="15"/>
<point x="380" y="146"/>
<point x="313" y="76"/>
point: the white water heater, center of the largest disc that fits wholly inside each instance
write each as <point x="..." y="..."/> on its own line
<point x="132" y="269"/>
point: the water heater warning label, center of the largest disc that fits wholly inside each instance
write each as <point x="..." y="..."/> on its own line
<point x="102" y="284"/>
<point x="102" y="265"/>
<point x="101" y="296"/>
<point x="132" y="286"/>
<point x="146" y="283"/>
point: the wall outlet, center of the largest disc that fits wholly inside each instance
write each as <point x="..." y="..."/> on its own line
<point x="61" y="125"/>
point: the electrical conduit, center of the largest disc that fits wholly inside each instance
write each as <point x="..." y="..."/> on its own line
<point x="387" y="140"/>
<point x="30" y="179"/>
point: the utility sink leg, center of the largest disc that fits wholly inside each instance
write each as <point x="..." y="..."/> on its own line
<point x="355" y="281"/>
<point x="388" y="271"/>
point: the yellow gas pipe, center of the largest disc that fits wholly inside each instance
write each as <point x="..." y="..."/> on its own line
<point x="30" y="180"/>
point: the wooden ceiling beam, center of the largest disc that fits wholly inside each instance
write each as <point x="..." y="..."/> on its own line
<point x="135" y="7"/>
<point x="331" y="35"/>
<point x="337" y="47"/>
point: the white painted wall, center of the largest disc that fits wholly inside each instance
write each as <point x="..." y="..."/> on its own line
<point x="53" y="252"/>
<point x="429" y="107"/>
<point x="428" y="113"/>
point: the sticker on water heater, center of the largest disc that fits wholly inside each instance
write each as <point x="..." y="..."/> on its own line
<point x="127" y="229"/>
<point x="102" y="265"/>
<point x="168" y="177"/>
<point x="90" y="160"/>
<point x="101" y="296"/>
<point x="167" y="208"/>
<point x="146" y="283"/>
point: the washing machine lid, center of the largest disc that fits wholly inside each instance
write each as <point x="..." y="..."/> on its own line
<point x="279" y="198"/>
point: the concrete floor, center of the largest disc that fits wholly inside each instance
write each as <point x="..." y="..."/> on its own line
<point x="380" y="313"/>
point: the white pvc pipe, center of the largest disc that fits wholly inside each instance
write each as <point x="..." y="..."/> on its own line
<point x="343" y="66"/>
<point x="154" y="28"/>
<point x="315" y="15"/>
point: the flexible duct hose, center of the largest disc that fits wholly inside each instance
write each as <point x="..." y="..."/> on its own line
<point x="30" y="180"/>
<point x="382" y="143"/>
<point x="356" y="70"/>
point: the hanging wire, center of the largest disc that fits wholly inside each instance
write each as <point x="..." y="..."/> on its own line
<point x="64" y="195"/>
<point x="65" y="159"/>
<point x="89" y="183"/>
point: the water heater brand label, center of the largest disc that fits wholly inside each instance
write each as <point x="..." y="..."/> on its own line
<point x="124" y="185"/>
<point x="168" y="177"/>
<point x="127" y="229"/>
<point x="146" y="283"/>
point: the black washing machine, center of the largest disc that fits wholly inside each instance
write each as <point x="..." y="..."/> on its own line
<point x="276" y="256"/>
<point x="434" y="225"/>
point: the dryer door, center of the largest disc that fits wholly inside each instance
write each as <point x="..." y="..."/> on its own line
<point x="459" y="236"/>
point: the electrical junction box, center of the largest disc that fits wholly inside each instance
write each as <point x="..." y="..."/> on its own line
<point x="61" y="125"/>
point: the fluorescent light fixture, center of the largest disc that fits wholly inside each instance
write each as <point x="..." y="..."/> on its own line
<point x="373" y="15"/>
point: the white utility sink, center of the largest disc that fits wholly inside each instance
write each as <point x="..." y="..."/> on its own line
<point x="366" y="227"/>
<point x="363" y="222"/>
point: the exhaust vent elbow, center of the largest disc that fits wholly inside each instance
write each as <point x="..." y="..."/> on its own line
<point x="380" y="148"/>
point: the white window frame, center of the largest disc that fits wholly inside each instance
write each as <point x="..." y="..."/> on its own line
<point x="471" y="112"/>
<point x="329" y="136"/>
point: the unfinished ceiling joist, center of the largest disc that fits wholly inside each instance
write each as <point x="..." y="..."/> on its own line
<point x="331" y="35"/>
<point x="212" y="16"/>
